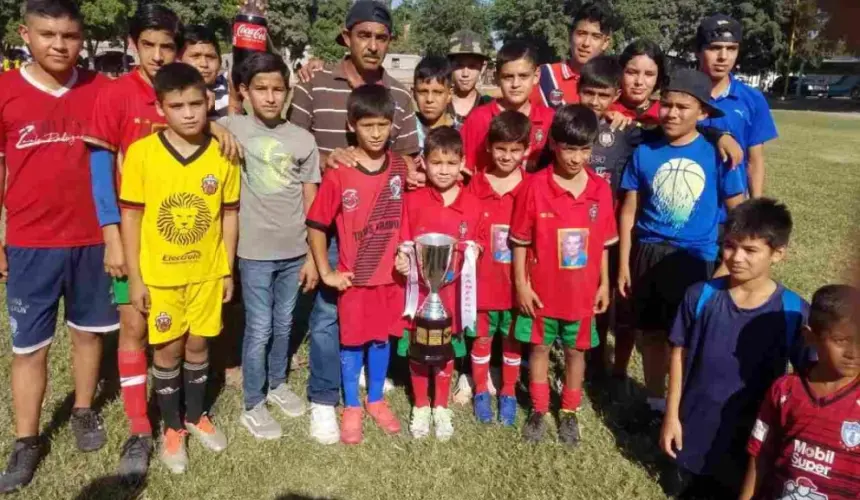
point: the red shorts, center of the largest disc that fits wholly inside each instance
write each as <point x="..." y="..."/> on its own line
<point x="370" y="314"/>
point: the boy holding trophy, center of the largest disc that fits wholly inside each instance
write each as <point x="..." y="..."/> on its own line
<point x="563" y="221"/>
<point x="366" y="205"/>
<point x="442" y="222"/>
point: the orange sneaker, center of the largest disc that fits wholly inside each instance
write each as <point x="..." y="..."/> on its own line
<point x="208" y="435"/>
<point x="173" y="454"/>
<point x="384" y="417"/>
<point x="351" y="425"/>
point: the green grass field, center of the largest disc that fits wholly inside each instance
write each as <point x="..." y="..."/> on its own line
<point x="813" y="167"/>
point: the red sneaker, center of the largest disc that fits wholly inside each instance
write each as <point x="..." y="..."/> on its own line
<point x="350" y="425"/>
<point x="384" y="417"/>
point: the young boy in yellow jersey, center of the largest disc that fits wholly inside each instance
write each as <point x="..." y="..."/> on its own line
<point x="179" y="201"/>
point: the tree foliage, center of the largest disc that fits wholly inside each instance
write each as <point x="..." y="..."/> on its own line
<point x="327" y="20"/>
<point x="289" y="23"/>
<point x="436" y="20"/>
<point x="543" y="23"/>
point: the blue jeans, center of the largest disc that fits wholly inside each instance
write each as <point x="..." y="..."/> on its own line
<point x="324" y="381"/>
<point x="269" y="291"/>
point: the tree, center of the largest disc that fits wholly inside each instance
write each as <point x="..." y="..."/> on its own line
<point x="104" y="20"/>
<point x="10" y="19"/>
<point x="405" y="19"/>
<point x="217" y="15"/>
<point x="289" y="23"/>
<point x="436" y="20"/>
<point x="802" y="23"/>
<point x="543" y="23"/>
<point x="327" y="20"/>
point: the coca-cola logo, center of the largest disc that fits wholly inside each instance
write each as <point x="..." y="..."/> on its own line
<point x="249" y="31"/>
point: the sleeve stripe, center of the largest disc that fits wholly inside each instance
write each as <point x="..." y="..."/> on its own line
<point x="233" y="205"/>
<point x="316" y="225"/>
<point x="611" y="242"/>
<point x="99" y="143"/>
<point x="523" y="243"/>
<point x="403" y="136"/>
<point x="299" y="87"/>
<point x="131" y="205"/>
<point x="299" y="108"/>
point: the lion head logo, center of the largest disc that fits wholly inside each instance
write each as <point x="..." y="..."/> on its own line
<point x="183" y="219"/>
<point x="163" y="322"/>
<point x="210" y="185"/>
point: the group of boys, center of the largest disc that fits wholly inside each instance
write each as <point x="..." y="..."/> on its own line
<point x="514" y="189"/>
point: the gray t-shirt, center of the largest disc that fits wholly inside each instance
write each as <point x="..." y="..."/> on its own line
<point x="278" y="162"/>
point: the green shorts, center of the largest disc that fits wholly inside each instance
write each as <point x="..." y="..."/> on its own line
<point x="490" y="322"/>
<point x="120" y="291"/>
<point x="457" y="342"/>
<point x="580" y="335"/>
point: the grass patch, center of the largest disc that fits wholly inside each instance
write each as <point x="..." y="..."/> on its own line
<point x="813" y="167"/>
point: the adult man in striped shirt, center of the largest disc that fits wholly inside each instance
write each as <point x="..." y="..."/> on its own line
<point x="320" y="107"/>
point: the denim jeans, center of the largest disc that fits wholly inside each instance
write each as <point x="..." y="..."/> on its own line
<point x="324" y="381"/>
<point x="269" y="291"/>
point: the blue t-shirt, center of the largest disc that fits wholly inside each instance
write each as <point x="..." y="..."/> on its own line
<point x="747" y="118"/>
<point x="681" y="189"/>
<point x="733" y="356"/>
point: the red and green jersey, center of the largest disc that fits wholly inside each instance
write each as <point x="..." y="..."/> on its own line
<point x="566" y="236"/>
<point x="124" y="112"/>
<point x="495" y="274"/>
<point x="474" y="133"/>
<point x="367" y="208"/>
<point x="426" y="213"/>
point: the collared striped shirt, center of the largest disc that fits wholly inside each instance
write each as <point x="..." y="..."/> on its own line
<point x="320" y="107"/>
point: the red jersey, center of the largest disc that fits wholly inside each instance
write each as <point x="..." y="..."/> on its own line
<point x="495" y="273"/>
<point x="813" y="443"/>
<point x="124" y="112"/>
<point x="477" y="126"/>
<point x="566" y="236"/>
<point x="49" y="199"/>
<point x="426" y="213"/>
<point x="367" y="208"/>
<point x="649" y="117"/>
<point x="558" y="85"/>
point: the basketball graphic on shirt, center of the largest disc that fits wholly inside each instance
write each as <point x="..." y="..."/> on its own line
<point x="183" y="219"/>
<point x="276" y="162"/>
<point x="677" y="187"/>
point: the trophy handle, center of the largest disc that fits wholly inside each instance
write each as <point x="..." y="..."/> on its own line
<point x="455" y="269"/>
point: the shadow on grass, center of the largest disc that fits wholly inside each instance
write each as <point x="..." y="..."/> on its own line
<point x="112" y="488"/>
<point x="296" y="496"/>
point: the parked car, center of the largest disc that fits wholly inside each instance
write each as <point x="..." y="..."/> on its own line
<point x="847" y="86"/>
<point x="808" y="87"/>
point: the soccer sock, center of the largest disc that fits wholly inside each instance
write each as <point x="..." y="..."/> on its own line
<point x="657" y="404"/>
<point x="351" y="361"/>
<point x="570" y="399"/>
<point x="195" y="376"/>
<point x="132" y="376"/>
<point x="168" y="385"/>
<point x="512" y="359"/>
<point x="378" y="354"/>
<point x="442" y="385"/>
<point x="419" y="373"/>
<point x="540" y="396"/>
<point x="481" y="363"/>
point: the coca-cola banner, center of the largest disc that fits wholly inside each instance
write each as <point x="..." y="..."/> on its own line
<point x="249" y="36"/>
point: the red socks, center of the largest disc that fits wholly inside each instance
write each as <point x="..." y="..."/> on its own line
<point x="132" y="375"/>
<point x="420" y="375"/>
<point x="570" y="399"/>
<point x="442" y="384"/>
<point x="540" y="396"/>
<point x="512" y="358"/>
<point x="481" y="351"/>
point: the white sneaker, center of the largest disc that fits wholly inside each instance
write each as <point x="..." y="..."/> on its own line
<point x="324" y="428"/>
<point x="420" y="424"/>
<point x="443" y="423"/>
<point x="362" y="382"/>
<point x="463" y="390"/>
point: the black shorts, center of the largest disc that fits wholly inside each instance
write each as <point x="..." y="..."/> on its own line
<point x="661" y="275"/>
<point x="620" y="313"/>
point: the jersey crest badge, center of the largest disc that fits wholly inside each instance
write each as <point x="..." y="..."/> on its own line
<point x="851" y="434"/>
<point x="556" y="97"/>
<point x="606" y="139"/>
<point x="539" y="136"/>
<point x="463" y="229"/>
<point x="163" y="322"/>
<point x="349" y="198"/>
<point x="210" y="185"/>
<point x="396" y="187"/>
<point x="593" y="212"/>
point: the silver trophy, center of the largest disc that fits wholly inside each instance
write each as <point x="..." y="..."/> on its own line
<point x="435" y="258"/>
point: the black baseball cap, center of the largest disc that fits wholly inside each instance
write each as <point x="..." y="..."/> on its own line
<point x="696" y="84"/>
<point x="718" y="28"/>
<point x="366" y="11"/>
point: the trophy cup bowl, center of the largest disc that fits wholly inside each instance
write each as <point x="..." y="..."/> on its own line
<point x="435" y="256"/>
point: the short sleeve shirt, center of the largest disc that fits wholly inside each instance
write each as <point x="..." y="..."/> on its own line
<point x="612" y="150"/>
<point x="681" y="189"/>
<point x="566" y="236"/>
<point x="182" y="201"/>
<point x="747" y="117"/>
<point x="477" y="126"/>
<point x="278" y="162"/>
<point x="812" y="443"/>
<point x="495" y="274"/>
<point x="733" y="355"/>
<point x="367" y="208"/>
<point x="462" y="219"/>
<point x="49" y="202"/>
<point x="320" y="107"/>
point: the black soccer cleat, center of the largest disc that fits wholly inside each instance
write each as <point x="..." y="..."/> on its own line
<point x="568" y="429"/>
<point x="535" y="427"/>
<point x="134" y="458"/>
<point x="89" y="429"/>
<point x="22" y="465"/>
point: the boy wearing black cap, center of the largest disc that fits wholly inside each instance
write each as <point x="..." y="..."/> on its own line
<point x="673" y="190"/>
<point x="746" y="112"/>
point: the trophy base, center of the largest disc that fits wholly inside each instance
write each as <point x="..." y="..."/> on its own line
<point x="432" y="341"/>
